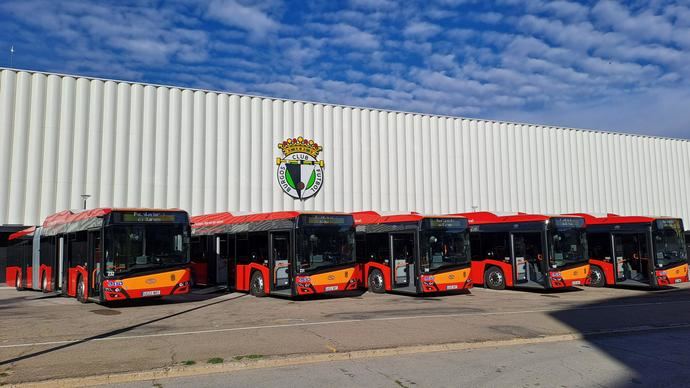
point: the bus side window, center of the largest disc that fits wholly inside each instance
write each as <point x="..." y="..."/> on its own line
<point x="494" y="246"/>
<point x="599" y="246"/>
<point x="377" y="247"/>
<point x="258" y="247"/>
<point x="476" y="246"/>
<point x="242" y="248"/>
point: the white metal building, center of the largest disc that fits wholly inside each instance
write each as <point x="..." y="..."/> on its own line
<point x="140" y="145"/>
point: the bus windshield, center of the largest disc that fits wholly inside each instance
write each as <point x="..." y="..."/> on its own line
<point x="669" y="244"/>
<point x="137" y="248"/>
<point x="325" y="246"/>
<point x="568" y="246"/>
<point x="444" y="248"/>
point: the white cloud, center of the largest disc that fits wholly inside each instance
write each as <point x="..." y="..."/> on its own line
<point x="421" y="30"/>
<point x="245" y="17"/>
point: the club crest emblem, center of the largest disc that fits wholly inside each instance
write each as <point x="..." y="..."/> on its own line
<point x="300" y="174"/>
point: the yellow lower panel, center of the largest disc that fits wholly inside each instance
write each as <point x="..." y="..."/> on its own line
<point x="575" y="273"/>
<point x="339" y="276"/>
<point x="164" y="279"/>
<point x="457" y="276"/>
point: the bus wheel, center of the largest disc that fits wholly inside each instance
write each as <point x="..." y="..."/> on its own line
<point x="376" y="283"/>
<point x="18" y="283"/>
<point x="81" y="290"/>
<point x="256" y="287"/>
<point x="596" y="277"/>
<point x="494" y="279"/>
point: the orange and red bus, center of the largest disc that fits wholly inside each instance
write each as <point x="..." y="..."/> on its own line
<point x="636" y="251"/>
<point x="413" y="253"/>
<point x="104" y="255"/>
<point x="285" y="253"/>
<point x="528" y="250"/>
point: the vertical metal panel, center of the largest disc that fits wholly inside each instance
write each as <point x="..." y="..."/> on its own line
<point x="160" y="150"/>
<point x="174" y="149"/>
<point x="135" y="145"/>
<point x="210" y="151"/>
<point x="37" y="135"/>
<point x="20" y="142"/>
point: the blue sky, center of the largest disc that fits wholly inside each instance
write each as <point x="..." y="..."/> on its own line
<point x="600" y="64"/>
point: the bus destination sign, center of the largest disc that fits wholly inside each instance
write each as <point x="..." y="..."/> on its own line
<point x="318" y="219"/>
<point x="568" y="222"/>
<point x="148" y="217"/>
<point x="445" y="223"/>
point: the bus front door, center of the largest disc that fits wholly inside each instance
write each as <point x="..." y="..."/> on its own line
<point x="528" y="258"/>
<point x="94" y="265"/>
<point x="632" y="257"/>
<point x="403" y="269"/>
<point x="280" y="263"/>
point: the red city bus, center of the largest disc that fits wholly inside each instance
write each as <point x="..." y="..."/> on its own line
<point x="286" y="253"/>
<point x="528" y="250"/>
<point x="636" y="251"/>
<point x="413" y="253"/>
<point x="105" y="255"/>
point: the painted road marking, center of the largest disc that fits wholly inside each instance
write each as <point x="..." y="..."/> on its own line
<point x="337" y="322"/>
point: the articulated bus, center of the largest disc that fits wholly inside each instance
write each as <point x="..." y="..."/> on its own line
<point x="528" y="250"/>
<point x="412" y="253"/>
<point x="104" y="255"/>
<point x="283" y="253"/>
<point x="636" y="251"/>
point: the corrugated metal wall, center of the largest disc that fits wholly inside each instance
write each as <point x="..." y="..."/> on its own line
<point x="142" y="145"/>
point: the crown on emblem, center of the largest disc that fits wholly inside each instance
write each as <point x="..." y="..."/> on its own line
<point x="300" y="144"/>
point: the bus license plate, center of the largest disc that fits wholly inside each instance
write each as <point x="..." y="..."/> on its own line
<point x="332" y="288"/>
<point x="677" y="280"/>
<point x="452" y="287"/>
<point x="151" y="293"/>
<point x="576" y="282"/>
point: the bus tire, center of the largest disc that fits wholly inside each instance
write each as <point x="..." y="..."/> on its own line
<point x="81" y="289"/>
<point x="596" y="277"/>
<point x="256" y="285"/>
<point x="376" y="282"/>
<point x="494" y="279"/>
<point x="18" y="282"/>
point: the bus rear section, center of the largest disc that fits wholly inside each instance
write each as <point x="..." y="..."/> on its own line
<point x="636" y="251"/>
<point x="106" y="255"/>
<point x="281" y="253"/>
<point x="412" y="253"/>
<point x="528" y="250"/>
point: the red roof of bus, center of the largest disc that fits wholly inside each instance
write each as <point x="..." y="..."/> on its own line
<point x="476" y="218"/>
<point x="372" y="217"/>
<point x="611" y="218"/>
<point x="22" y="233"/>
<point x="68" y="216"/>
<point x="228" y="218"/>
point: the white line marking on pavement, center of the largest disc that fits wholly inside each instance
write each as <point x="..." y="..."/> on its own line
<point x="324" y="323"/>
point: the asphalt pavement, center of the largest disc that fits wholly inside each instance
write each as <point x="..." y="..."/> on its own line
<point x="638" y="359"/>
<point x="46" y="338"/>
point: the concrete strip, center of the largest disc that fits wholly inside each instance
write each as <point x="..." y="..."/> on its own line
<point x="345" y="321"/>
<point x="283" y="361"/>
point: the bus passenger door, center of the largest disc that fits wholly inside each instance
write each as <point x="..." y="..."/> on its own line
<point x="221" y="260"/>
<point x="62" y="269"/>
<point x="94" y="257"/>
<point x="403" y="251"/>
<point x="280" y="263"/>
<point x="528" y="257"/>
<point x="632" y="257"/>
